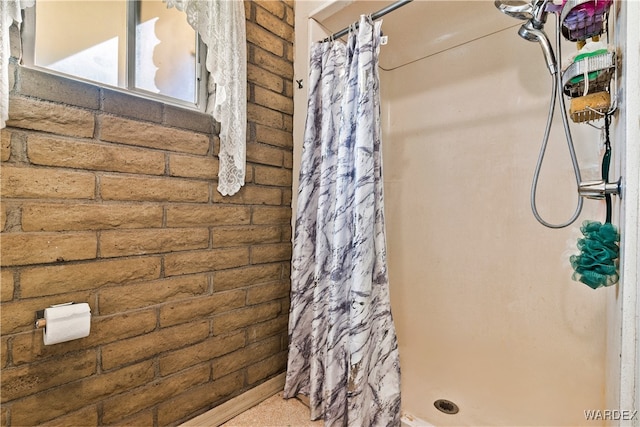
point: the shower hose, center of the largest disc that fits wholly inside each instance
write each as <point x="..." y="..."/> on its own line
<point x="556" y="92"/>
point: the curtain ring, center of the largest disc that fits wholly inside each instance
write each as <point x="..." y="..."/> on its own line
<point x="370" y="19"/>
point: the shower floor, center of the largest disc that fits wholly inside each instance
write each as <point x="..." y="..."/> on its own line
<point x="275" y="412"/>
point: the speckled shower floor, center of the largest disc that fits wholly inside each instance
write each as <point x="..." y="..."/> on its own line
<point x="275" y="412"/>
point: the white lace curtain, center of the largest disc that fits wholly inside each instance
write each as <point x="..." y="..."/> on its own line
<point x="10" y="10"/>
<point x="221" y="25"/>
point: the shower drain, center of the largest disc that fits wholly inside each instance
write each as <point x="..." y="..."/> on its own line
<point x="446" y="406"/>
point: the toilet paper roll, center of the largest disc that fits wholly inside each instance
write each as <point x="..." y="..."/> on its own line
<point x="66" y="322"/>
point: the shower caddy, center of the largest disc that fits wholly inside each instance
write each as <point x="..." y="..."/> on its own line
<point x="589" y="74"/>
<point x="590" y="82"/>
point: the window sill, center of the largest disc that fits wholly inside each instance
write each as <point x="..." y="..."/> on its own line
<point x="47" y="86"/>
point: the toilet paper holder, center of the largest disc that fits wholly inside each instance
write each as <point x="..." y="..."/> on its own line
<point x="41" y="322"/>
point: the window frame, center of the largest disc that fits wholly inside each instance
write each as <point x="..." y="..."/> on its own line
<point x="28" y="37"/>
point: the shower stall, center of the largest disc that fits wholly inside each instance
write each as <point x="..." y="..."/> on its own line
<point x="488" y="319"/>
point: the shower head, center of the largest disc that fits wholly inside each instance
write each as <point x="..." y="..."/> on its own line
<point x="515" y="8"/>
<point x="539" y="13"/>
<point x="535" y="11"/>
<point x="529" y="32"/>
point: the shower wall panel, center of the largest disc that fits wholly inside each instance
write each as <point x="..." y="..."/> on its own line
<point x="486" y="312"/>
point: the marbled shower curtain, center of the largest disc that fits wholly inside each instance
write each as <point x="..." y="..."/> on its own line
<point x="343" y="350"/>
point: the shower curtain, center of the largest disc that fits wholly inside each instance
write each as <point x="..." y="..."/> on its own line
<point x="343" y="350"/>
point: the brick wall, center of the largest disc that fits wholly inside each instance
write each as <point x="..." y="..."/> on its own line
<point x="111" y="199"/>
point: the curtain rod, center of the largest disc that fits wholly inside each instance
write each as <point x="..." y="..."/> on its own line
<point x="374" y="16"/>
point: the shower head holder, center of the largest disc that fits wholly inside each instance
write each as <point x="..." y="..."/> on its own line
<point x="535" y="15"/>
<point x="539" y="10"/>
<point x="534" y="11"/>
<point x="515" y="8"/>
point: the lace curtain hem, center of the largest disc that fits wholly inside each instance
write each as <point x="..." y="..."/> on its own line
<point x="221" y="25"/>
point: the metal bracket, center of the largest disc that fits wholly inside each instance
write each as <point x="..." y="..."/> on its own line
<point x="41" y="322"/>
<point x="599" y="189"/>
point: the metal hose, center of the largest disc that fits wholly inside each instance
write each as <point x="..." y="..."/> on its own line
<point x="556" y="92"/>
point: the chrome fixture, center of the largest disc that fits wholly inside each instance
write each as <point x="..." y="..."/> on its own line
<point x="599" y="189"/>
<point x="530" y="32"/>
<point x="374" y="16"/>
<point x="535" y="13"/>
<point x="516" y="8"/>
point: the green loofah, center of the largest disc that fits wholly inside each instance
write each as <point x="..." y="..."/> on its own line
<point x="596" y="265"/>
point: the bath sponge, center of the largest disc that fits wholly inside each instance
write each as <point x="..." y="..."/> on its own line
<point x="596" y="265"/>
<point x="589" y="107"/>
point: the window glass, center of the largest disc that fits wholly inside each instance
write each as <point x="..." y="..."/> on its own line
<point x="82" y="38"/>
<point x="165" y="51"/>
<point x="138" y="45"/>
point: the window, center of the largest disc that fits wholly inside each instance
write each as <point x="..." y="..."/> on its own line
<point x="137" y="45"/>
